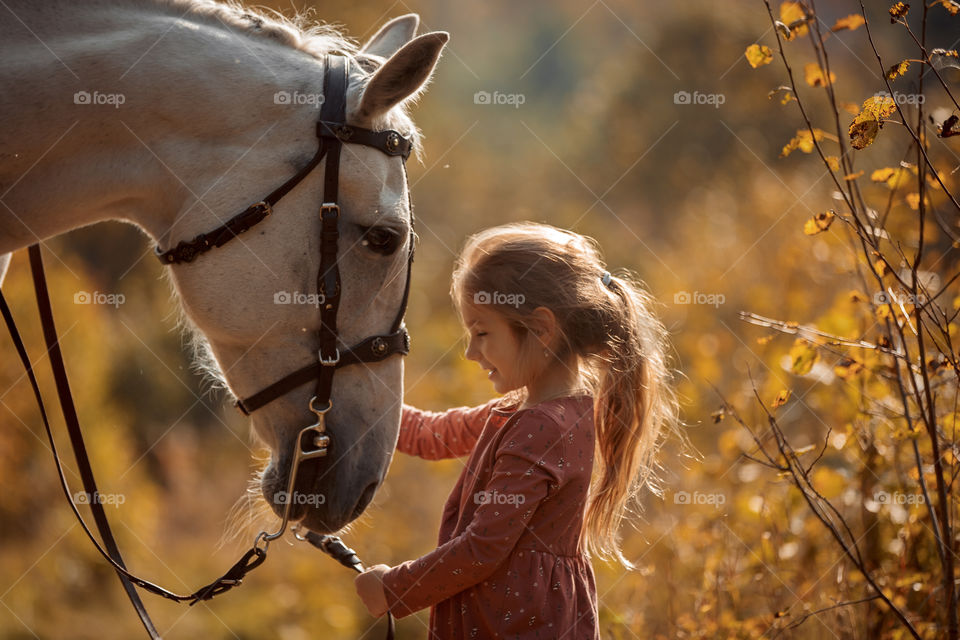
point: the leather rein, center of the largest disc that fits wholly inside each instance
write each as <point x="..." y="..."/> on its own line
<point x="312" y="441"/>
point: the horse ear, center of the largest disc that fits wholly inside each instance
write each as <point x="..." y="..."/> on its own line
<point x="392" y="36"/>
<point x="403" y="75"/>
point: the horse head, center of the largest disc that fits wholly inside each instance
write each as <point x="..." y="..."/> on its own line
<point x="257" y="303"/>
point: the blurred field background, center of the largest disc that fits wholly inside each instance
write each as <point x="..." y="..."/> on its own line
<point x="692" y="197"/>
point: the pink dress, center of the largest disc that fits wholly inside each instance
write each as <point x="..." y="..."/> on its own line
<point x="508" y="563"/>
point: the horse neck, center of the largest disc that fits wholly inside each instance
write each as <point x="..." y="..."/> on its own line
<point x="180" y="127"/>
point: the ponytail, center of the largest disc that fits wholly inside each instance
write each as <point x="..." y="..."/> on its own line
<point x="634" y="405"/>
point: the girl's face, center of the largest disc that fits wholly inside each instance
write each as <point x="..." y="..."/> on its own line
<point x="495" y="345"/>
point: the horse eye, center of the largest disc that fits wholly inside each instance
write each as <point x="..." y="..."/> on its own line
<point x="381" y="240"/>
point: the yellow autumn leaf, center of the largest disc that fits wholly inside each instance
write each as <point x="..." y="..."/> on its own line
<point x="794" y="16"/>
<point x="848" y="368"/>
<point x="851" y="22"/>
<point x="758" y="55"/>
<point x="879" y="106"/>
<point x="850" y="107"/>
<point x="818" y="223"/>
<point x="880" y="267"/>
<point x="802" y="357"/>
<point x="898" y="69"/>
<point x="764" y="339"/>
<point x="899" y="10"/>
<point x="833" y="162"/>
<point x="863" y="133"/>
<point x="952" y="6"/>
<point x="913" y="201"/>
<point x="932" y="181"/>
<point x="882" y="175"/>
<point x="864" y="128"/>
<point x="853" y="176"/>
<point x="781" y="399"/>
<point x="787" y="94"/>
<point x="815" y="76"/>
<point x="894" y="177"/>
<point x="803" y="140"/>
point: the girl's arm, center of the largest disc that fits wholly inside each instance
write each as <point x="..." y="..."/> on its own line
<point x="434" y="435"/>
<point x="525" y="467"/>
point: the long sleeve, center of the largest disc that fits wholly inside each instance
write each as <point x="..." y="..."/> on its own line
<point x="435" y="435"/>
<point x="520" y="480"/>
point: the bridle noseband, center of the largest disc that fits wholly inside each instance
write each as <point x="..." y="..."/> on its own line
<point x="312" y="441"/>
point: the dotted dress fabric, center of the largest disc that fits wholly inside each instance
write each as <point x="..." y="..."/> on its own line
<point x="507" y="564"/>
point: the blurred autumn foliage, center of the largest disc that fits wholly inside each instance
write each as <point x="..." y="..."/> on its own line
<point x="785" y="182"/>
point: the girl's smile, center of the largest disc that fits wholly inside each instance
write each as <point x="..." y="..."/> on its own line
<point x="494" y="345"/>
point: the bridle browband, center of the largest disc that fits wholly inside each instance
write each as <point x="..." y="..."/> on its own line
<point x="312" y="441"/>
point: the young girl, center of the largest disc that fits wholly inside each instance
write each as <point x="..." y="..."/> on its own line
<point x="582" y="360"/>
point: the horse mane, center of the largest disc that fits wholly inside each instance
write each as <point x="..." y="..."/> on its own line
<point x="301" y="32"/>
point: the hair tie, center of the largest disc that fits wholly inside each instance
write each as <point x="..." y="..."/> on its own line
<point x="606" y="279"/>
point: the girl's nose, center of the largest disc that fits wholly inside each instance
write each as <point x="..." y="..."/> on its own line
<point x="471" y="352"/>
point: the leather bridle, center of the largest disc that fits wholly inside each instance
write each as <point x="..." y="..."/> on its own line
<point x="332" y="132"/>
<point x="312" y="441"/>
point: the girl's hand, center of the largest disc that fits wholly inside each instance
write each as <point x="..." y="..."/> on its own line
<point x="369" y="586"/>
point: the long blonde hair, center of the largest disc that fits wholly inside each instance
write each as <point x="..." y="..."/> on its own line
<point x="612" y="330"/>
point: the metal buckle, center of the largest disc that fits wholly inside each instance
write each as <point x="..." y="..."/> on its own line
<point x="264" y="206"/>
<point x="329" y="206"/>
<point x="327" y="362"/>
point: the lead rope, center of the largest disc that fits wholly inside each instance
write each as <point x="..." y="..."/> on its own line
<point x="334" y="547"/>
<point x="331" y="545"/>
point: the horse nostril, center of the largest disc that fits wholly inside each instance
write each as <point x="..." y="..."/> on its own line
<point x="364" y="500"/>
